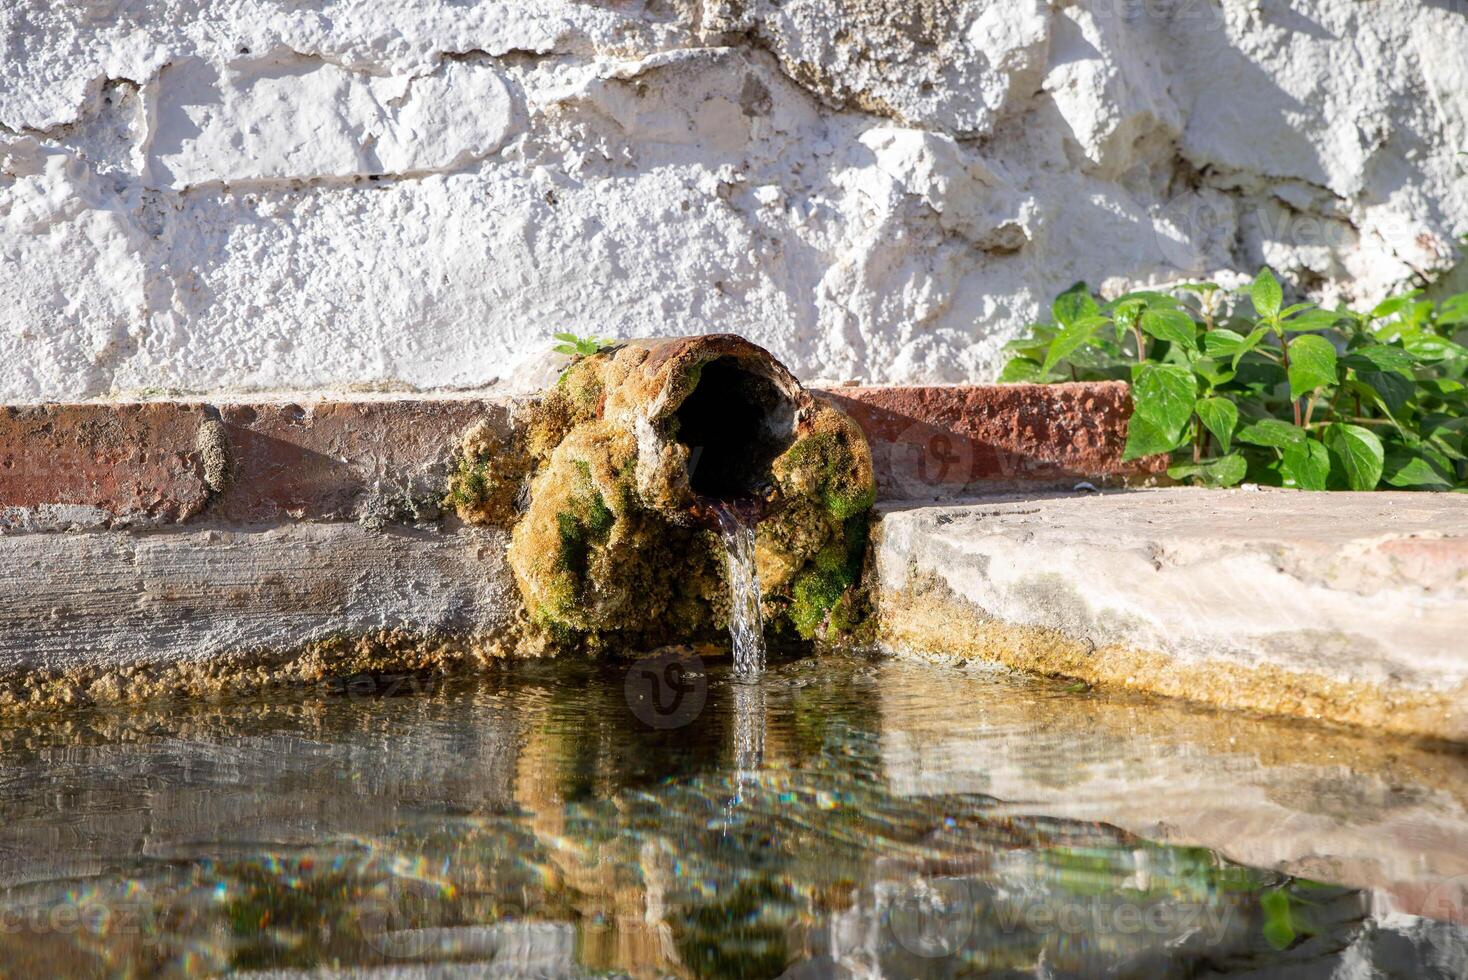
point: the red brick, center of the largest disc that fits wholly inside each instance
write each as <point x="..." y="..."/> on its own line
<point x="324" y="460"/>
<point x="320" y="460"/>
<point x="944" y="441"/>
<point x="135" y="463"/>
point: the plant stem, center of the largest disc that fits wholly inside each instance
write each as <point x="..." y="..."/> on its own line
<point x="1355" y="421"/>
<point x="1284" y="353"/>
<point x="1141" y="345"/>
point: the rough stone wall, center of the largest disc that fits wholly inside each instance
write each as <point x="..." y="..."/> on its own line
<point x="214" y="194"/>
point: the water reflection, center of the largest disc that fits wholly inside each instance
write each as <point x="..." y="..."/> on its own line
<point x="848" y="818"/>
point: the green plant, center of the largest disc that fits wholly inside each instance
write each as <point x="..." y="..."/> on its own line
<point x="1237" y="386"/>
<point x="570" y="343"/>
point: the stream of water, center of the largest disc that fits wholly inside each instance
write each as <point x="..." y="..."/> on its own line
<point x="746" y="620"/>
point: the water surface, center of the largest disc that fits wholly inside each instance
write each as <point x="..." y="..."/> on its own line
<point x="851" y="818"/>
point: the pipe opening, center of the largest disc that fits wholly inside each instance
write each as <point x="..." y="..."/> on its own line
<point x="734" y="423"/>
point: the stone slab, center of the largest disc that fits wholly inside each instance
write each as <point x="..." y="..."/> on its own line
<point x="76" y="608"/>
<point x="1341" y="607"/>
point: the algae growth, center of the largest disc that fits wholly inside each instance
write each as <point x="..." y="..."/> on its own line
<point x="606" y="477"/>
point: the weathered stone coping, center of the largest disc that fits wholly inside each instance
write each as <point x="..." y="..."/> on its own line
<point x="156" y="464"/>
<point x="1340" y="607"/>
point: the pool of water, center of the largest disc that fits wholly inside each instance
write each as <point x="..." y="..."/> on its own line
<point x="842" y="818"/>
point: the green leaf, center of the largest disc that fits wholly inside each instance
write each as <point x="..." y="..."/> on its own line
<point x="1445" y="434"/>
<point x="1404" y="468"/>
<point x="1125" y="316"/>
<point x="569" y="338"/>
<point x="1148" y="298"/>
<point x="1390" y="389"/>
<point x="1443" y="387"/>
<point x="1431" y="348"/>
<point x="1164" y="394"/>
<point x="1312" y="364"/>
<point x="1033" y="342"/>
<point x="1073" y="304"/>
<point x="1072" y="335"/>
<point x="1145" y="438"/>
<point x="1271" y="432"/>
<point x="1359" y="453"/>
<point x="1394" y="305"/>
<point x="1226" y="471"/>
<point x="1266" y="294"/>
<point x="1022" y="369"/>
<point x="1381" y="357"/>
<point x="1173" y="326"/>
<point x="1453" y="311"/>
<point x="1314" y="320"/>
<point x="1228" y="343"/>
<point x="1221" y="416"/>
<point x="1212" y="372"/>
<point x="1306" y="464"/>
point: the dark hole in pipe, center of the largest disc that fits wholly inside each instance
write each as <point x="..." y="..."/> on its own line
<point x="734" y="423"/>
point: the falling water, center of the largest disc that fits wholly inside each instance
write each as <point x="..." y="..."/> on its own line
<point x="746" y="622"/>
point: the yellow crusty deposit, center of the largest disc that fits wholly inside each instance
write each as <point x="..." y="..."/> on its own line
<point x="600" y="479"/>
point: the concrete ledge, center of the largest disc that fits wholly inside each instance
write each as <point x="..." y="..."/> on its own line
<point x="1342" y="607"/>
<point x="124" y="616"/>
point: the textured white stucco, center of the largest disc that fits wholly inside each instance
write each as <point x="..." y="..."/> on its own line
<point x="207" y="194"/>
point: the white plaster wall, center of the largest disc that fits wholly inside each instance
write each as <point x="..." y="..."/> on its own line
<point x="222" y="194"/>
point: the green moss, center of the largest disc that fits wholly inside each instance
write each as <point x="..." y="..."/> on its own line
<point x="821" y="602"/>
<point x="586" y="521"/>
<point x="581" y="386"/>
<point x="839" y="484"/>
<point x="844" y="503"/>
<point x="468" y="485"/>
